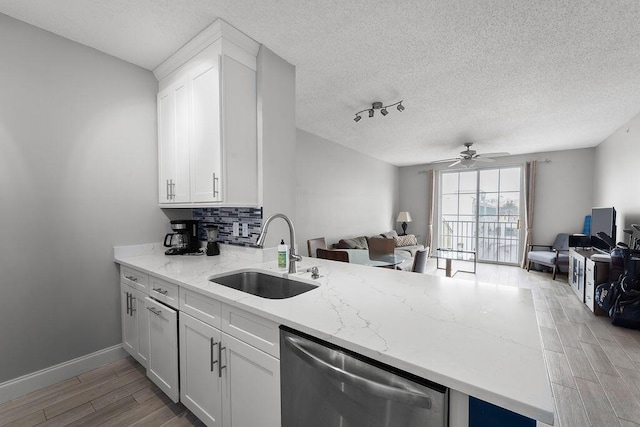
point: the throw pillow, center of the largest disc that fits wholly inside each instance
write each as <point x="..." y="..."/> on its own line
<point x="355" y="243"/>
<point x="408" y="240"/>
<point x="390" y="234"/>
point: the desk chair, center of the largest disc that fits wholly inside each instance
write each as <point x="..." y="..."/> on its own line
<point x="314" y="244"/>
<point x="333" y="254"/>
<point x="553" y="256"/>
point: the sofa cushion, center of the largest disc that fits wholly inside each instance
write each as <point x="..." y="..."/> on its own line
<point x="355" y="243"/>
<point x="408" y="240"/>
<point x="409" y="249"/>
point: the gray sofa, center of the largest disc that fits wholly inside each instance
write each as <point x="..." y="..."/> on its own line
<point x="406" y="246"/>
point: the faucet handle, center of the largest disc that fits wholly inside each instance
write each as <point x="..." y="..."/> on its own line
<point x="314" y="272"/>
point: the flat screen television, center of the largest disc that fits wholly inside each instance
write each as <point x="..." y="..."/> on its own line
<point x="603" y="220"/>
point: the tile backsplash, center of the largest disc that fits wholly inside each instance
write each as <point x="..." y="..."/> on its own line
<point x="224" y="217"/>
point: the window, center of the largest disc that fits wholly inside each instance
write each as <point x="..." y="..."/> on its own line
<point x="480" y="210"/>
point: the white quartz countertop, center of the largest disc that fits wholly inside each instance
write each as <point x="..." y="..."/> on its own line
<point x="480" y="339"/>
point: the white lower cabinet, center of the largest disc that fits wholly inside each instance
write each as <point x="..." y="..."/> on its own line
<point x="224" y="381"/>
<point x="135" y="326"/>
<point x="163" y="347"/>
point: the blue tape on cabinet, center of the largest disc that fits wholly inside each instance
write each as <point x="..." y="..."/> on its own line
<point x="483" y="414"/>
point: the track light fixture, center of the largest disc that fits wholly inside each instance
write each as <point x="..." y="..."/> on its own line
<point x="378" y="106"/>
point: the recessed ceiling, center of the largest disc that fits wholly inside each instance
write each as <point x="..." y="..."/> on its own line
<point x="517" y="76"/>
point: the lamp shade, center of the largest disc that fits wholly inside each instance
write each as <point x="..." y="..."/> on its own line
<point x="404" y="217"/>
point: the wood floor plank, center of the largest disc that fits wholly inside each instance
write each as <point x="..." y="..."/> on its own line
<point x="70" y="416"/>
<point x="570" y="409"/>
<point x="616" y="354"/>
<point x="624" y="403"/>
<point x="54" y="389"/>
<point x="579" y="363"/>
<point x="186" y="419"/>
<point x="121" y="392"/>
<point x="545" y="319"/>
<point x="630" y="346"/>
<point x="105" y="414"/>
<point x="161" y="415"/>
<point x="551" y="339"/>
<point x="139" y="411"/>
<point x="559" y="370"/>
<point x="30" y="420"/>
<point x="598" y="359"/>
<point x="89" y="394"/>
<point x="147" y="393"/>
<point x="568" y="336"/>
<point x="599" y="410"/>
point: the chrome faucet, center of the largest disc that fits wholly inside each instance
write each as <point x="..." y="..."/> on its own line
<point x="293" y="257"/>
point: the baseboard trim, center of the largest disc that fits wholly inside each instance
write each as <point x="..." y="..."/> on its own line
<point x="31" y="382"/>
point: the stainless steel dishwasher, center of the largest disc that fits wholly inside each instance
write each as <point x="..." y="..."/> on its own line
<point x="324" y="385"/>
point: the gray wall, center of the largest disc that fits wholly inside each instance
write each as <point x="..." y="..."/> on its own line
<point x="564" y="189"/>
<point x="340" y="192"/>
<point x="78" y="168"/>
<point x="617" y="175"/>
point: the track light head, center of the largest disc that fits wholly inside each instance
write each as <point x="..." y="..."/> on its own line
<point x="384" y="109"/>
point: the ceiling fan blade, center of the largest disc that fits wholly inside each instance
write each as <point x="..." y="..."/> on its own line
<point x="446" y="160"/>
<point x="483" y="159"/>
<point x="494" y="154"/>
<point x="455" y="163"/>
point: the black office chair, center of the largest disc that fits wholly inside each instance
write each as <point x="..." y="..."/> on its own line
<point x="420" y="261"/>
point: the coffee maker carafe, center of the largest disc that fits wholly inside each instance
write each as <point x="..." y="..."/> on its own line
<point x="185" y="238"/>
<point x="212" y="239"/>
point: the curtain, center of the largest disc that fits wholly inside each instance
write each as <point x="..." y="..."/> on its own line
<point x="529" y="193"/>
<point x="431" y="184"/>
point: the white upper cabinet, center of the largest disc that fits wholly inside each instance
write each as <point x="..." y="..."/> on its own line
<point x="207" y="121"/>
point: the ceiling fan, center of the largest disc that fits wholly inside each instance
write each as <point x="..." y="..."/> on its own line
<point x="468" y="158"/>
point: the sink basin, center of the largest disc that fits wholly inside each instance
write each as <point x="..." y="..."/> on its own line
<point x="264" y="285"/>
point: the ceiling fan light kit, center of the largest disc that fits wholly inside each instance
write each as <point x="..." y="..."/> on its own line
<point x="378" y="106"/>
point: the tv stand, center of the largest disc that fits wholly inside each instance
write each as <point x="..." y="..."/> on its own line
<point x="586" y="273"/>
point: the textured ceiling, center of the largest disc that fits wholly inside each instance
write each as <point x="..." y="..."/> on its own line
<point x="515" y="76"/>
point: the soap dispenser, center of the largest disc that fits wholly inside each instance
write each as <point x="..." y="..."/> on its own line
<point x="283" y="256"/>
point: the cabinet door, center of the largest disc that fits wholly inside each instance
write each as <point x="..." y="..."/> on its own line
<point x="206" y="149"/>
<point x="252" y="386"/>
<point x="173" y="143"/>
<point x="163" y="347"/>
<point x="142" y="327"/>
<point x="129" y="323"/>
<point x="200" y="380"/>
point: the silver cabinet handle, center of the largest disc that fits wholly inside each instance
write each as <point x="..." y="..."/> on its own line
<point x="132" y="309"/>
<point x="215" y="186"/>
<point x="161" y="291"/>
<point x="213" y="362"/>
<point x="128" y="302"/>
<point x="220" y="367"/>
<point x="408" y="397"/>
<point x="132" y="278"/>
<point x="154" y="311"/>
<point x="173" y="190"/>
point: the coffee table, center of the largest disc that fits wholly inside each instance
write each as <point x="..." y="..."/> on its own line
<point x="454" y="254"/>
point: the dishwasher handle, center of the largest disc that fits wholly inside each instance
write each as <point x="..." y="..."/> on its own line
<point x="408" y="397"/>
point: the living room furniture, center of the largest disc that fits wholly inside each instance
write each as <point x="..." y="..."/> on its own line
<point x="404" y="218"/>
<point x="379" y="246"/>
<point x="333" y="254"/>
<point x="587" y="269"/>
<point x="360" y="256"/>
<point x="553" y="256"/>
<point x="314" y="244"/>
<point x="420" y="261"/>
<point x="454" y="254"/>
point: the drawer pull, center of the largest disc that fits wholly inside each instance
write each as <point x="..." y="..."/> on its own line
<point x="161" y="291"/>
<point x="213" y="362"/>
<point x="154" y="311"/>
<point x="132" y="278"/>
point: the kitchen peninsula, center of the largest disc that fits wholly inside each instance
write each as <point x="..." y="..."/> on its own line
<point x="478" y="339"/>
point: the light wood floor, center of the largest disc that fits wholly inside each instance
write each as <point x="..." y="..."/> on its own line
<point x="594" y="369"/>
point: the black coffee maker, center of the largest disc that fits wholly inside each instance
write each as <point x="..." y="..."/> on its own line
<point x="185" y="238"/>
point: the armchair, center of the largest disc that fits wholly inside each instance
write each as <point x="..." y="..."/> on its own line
<point x="554" y="256"/>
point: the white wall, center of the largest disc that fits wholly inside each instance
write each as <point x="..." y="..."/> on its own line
<point x="78" y="168"/>
<point x="341" y="193"/>
<point x="563" y="197"/>
<point x="617" y="175"/>
<point x="277" y="140"/>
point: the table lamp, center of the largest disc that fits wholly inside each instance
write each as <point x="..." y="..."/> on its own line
<point x="404" y="218"/>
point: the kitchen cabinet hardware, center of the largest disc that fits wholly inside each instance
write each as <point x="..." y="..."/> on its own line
<point x="155" y="311"/>
<point x="213" y="362"/>
<point x="128" y="303"/>
<point x="132" y="278"/>
<point x="215" y="187"/>
<point x="132" y="308"/>
<point x="220" y="366"/>
<point x="161" y="291"/>
<point x="168" y="191"/>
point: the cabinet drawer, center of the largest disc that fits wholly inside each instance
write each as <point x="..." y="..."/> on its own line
<point x="589" y="295"/>
<point x="255" y="330"/>
<point x="164" y="291"/>
<point x="203" y="308"/>
<point x="134" y="278"/>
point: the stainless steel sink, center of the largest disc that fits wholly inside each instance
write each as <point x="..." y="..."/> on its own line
<point x="263" y="285"/>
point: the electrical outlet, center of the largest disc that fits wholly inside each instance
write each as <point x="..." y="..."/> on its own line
<point x="236" y="229"/>
<point x="245" y="230"/>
